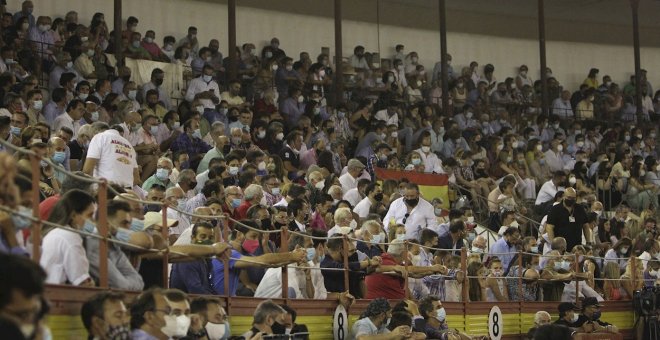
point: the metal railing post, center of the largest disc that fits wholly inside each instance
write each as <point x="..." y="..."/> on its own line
<point x="103" y="229"/>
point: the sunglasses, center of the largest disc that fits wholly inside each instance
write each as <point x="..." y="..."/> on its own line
<point x="405" y="218"/>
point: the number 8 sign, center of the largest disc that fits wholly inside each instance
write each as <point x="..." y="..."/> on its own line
<point x="495" y="323"/>
<point x="340" y="324"/>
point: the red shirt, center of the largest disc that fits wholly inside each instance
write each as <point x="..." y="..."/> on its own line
<point x="242" y="209"/>
<point x="385" y="285"/>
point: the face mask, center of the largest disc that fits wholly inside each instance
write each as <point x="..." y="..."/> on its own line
<point x="16" y="131"/>
<point x="575" y="317"/>
<point x="59" y="156"/>
<point x="37" y="105"/>
<point x="197" y="134"/>
<point x="572" y="180"/>
<point x="534" y="249"/>
<point x="278" y="328"/>
<point x="320" y="185"/>
<point x="251" y="246"/>
<point x="236" y="202"/>
<point x="401" y="237"/>
<point x="426" y="149"/>
<point x="627" y="138"/>
<point x="233" y="170"/>
<point x="559" y="265"/>
<point x="118" y="332"/>
<point x="19" y="219"/>
<point x="311" y="252"/>
<point x="596" y="315"/>
<point x="162" y="174"/>
<point x="416" y="161"/>
<point x="441" y="314"/>
<point x="353" y="224"/>
<point x="395" y="134"/>
<point x="90" y="53"/>
<point x="279" y="136"/>
<point x="207" y="78"/>
<point x="477" y="250"/>
<point x="412" y="202"/>
<point x="560" y="148"/>
<point x="624" y="250"/>
<point x="301" y="99"/>
<point x="123" y="234"/>
<point x="217" y="331"/>
<point x="170" y="329"/>
<point x="261" y="134"/>
<point x="569" y="202"/>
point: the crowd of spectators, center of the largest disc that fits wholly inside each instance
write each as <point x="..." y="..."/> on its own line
<point x="570" y="197"/>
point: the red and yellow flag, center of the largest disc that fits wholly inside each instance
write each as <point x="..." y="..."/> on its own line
<point x="430" y="185"/>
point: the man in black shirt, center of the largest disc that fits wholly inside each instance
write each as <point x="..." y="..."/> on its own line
<point x="589" y="320"/>
<point x="569" y="221"/>
<point x="568" y="314"/>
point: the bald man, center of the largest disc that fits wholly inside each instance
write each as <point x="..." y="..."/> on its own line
<point x="568" y="220"/>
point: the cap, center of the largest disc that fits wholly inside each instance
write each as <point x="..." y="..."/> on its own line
<point x="590" y="301"/>
<point x="156" y="218"/>
<point x="354" y="163"/>
<point x="567" y="306"/>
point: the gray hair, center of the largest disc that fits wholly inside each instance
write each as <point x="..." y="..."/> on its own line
<point x="539" y="314"/>
<point x="265" y="309"/>
<point x="99" y="127"/>
<point x="252" y="191"/>
<point x="86" y="130"/>
<point x="370" y="223"/>
<point x="342" y="213"/>
<point x="165" y="159"/>
<point x="218" y="126"/>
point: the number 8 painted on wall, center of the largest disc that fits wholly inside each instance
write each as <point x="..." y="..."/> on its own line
<point x="340" y="323"/>
<point x="495" y="323"/>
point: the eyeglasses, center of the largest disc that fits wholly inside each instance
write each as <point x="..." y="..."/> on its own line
<point x="165" y="311"/>
<point x="405" y="218"/>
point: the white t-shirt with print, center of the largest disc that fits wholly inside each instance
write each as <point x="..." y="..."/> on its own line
<point x="116" y="157"/>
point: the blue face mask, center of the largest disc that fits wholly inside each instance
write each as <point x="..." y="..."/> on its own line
<point x="162" y="174"/>
<point x="275" y="191"/>
<point x="89" y="227"/>
<point x="375" y="238"/>
<point x="441" y="314"/>
<point x="59" y="156"/>
<point x="311" y="252"/>
<point x="153" y="129"/>
<point x="137" y="225"/>
<point x="535" y="249"/>
<point x="235" y="202"/>
<point x="401" y="237"/>
<point x="123" y="234"/>
<point x="20" y="219"/>
<point x="16" y="131"/>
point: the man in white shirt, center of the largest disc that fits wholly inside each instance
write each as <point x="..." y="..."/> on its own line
<point x="349" y="180"/>
<point x="112" y="157"/>
<point x="553" y="157"/>
<point x="305" y="283"/>
<point x="71" y="117"/>
<point x="412" y="211"/>
<point x="391" y="117"/>
<point x="355" y="195"/>
<point x="358" y="61"/>
<point x="205" y="89"/>
<point x="549" y="189"/>
<point x="432" y="164"/>
<point x="562" y="105"/>
<point x="374" y="197"/>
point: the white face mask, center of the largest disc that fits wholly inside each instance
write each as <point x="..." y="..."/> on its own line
<point x="170" y="327"/>
<point x="182" y="325"/>
<point x="353" y="224"/>
<point x="217" y="331"/>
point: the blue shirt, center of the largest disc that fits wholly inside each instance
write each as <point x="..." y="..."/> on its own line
<point x="192" y="277"/>
<point x="218" y="275"/>
<point x="499" y="249"/>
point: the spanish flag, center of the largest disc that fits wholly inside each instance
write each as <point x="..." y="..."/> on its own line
<point x="430" y="185"/>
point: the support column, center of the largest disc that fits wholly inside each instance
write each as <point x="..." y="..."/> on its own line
<point x="443" y="57"/>
<point x="231" y="30"/>
<point x="339" y="75"/>
<point x="634" y="4"/>
<point x="544" y="66"/>
<point x="119" y="49"/>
